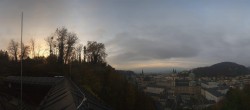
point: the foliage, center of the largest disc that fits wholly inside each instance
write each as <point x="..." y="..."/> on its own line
<point x="101" y="80"/>
<point x="51" y="59"/>
<point x="13" y="49"/>
<point x="61" y="34"/>
<point x="79" y="49"/>
<point x="235" y="99"/>
<point x="111" y="87"/>
<point x="4" y="60"/>
<point x="51" y="43"/>
<point x="95" y="52"/>
<point x="25" y="51"/>
<point x="71" y="40"/>
<point x="4" y="57"/>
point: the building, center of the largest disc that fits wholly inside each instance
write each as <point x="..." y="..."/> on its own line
<point x="186" y="87"/>
<point x="212" y="94"/>
<point x="155" y="92"/>
<point x="213" y="91"/>
<point x="205" y="84"/>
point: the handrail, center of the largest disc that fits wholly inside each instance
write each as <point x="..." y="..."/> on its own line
<point x="84" y="98"/>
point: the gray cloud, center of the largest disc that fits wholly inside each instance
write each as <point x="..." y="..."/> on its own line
<point x="140" y="31"/>
<point x="156" y="42"/>
<point x="134" y="48"/>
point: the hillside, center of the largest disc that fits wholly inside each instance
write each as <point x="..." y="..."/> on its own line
<point x="221" y="69"/>
<point x="101" y="80"/>
<point x="126" y="73"/>
<point x="111" y="86"/>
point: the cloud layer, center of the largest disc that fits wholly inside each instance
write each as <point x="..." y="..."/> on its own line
<point x="140" y="34"/>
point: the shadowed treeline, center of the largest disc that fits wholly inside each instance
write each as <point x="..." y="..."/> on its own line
<point x="235" y="99"/>
<point x="63" y="48"/>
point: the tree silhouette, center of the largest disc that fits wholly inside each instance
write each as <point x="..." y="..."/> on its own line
<point x="79" y="52"/>
<point x="96" y="52"/>
<point x="61" y="34"/>
<point x="51" y="43"/>
<point x="25" y="51"/>
<point x="13" y="49"/>
<point x="71" y="40"/>
<point x="32" y="45"/>
<point x="4" y="57"/>
<point x="84" y="53"/>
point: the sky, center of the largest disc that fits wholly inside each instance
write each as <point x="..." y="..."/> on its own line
<point x="154" y="35"/>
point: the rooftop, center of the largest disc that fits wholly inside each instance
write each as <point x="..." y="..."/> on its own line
<point x="34" y="80"/>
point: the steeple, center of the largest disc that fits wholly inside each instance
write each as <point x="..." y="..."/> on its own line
<point x="142" y="72"/>
<point x="174" y="70"/>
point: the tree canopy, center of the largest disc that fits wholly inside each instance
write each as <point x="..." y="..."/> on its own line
<point x="13" y="49"/>
<point x="96" y="52"/>
<point x="235" y="99"/>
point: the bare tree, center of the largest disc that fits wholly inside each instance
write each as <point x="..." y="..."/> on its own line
<point x="32" y="42"/>
<point x="79" y="52"/>
<point x="38" y="50"/>
<point x="71" y="40"/>
<point x="13" y="49"/>
<point x="52" y="44"/>
<point x="84" y="53"/>
<point x="25" y="51"/>
<point x="73" y="56"/>
<point x="64" y="42"/>
<point x="61" y="34"/>
<point x="96" y="52"/>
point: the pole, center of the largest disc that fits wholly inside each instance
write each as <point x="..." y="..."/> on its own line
<point x="21" y="60"/>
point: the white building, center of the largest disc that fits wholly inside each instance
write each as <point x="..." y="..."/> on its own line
<point x="213" y="91"/>
<point x="209" y="84"/>
<point x="154" y="90"/>
<point x="212" y="94"/>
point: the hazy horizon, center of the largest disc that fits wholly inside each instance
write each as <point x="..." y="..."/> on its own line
<point x="139" y="34"/>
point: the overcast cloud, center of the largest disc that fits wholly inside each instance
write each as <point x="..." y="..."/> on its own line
<point x="150" y="34"/>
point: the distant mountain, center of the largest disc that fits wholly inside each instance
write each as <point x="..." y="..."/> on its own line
<point x="222" y="69"/>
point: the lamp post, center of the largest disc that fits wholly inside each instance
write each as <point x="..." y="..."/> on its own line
<point x="21" y="97"/>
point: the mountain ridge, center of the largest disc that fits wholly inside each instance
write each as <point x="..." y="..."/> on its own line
<point x="229" y="69"/>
